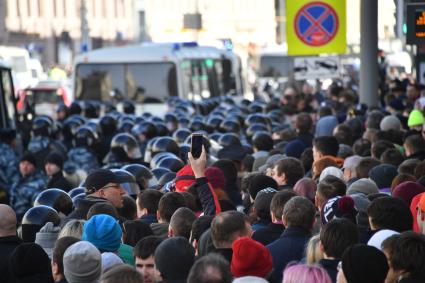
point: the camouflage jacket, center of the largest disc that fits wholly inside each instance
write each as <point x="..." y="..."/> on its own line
<point x="81" y="158"/>
<point x="24" y="191"/>
<point x="9" y="173"/>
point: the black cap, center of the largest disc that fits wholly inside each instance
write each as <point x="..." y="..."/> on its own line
<point x="29" y="157"/>
<point x="55" y="158"/>
<point x="98" y="179"/>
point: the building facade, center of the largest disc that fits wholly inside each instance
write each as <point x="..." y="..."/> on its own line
<point x="52" y="29"/>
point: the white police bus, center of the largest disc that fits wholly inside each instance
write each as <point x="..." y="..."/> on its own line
<point x="153" y="72"/>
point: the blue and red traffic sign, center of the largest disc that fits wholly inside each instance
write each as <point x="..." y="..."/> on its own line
<point x="316" y="23"/>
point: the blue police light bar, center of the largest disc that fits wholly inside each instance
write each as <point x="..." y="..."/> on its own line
<point x="178" y="45"/>
<point x="190" y="44"/>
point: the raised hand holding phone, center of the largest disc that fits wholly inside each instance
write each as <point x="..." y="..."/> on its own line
<point x="198" y="164"/>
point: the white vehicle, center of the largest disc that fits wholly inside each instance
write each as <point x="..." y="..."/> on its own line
<point x="19" y="60"/>
<point x="153" y="72"/>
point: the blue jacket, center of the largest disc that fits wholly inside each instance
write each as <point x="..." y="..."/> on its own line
<point x="289" y="247"/>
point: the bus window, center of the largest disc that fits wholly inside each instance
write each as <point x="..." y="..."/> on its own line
<point x="6" y="99"/>
<point x="152" y="82"/>
<point x="100" y="82"/>
<point x="200" y="79"/>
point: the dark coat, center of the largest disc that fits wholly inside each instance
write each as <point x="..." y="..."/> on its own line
<point x="160" y="229"/>
<point x="226" y="253"/>
<point x="58" y="181"/>
<point x="149" y="219"/>
<point x="268" y="234"/>
<point x="83" y="207"/>
<point x="331" y="267"/>
<point x="289" y="247"/>
<point x="7" y="246"/>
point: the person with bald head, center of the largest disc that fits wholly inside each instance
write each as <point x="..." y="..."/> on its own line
<point x="8" y="240"/>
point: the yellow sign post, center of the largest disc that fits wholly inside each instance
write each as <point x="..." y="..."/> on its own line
<point x="316" y="26"/>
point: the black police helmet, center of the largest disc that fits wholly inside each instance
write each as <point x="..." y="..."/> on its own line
<point x="165" y="144"/>
<point x="180" y="135"/>
<point x="55" y="198"/>
<point x="159" y="156"/>
<point x="35" y="218"/>
<point x="127" y="181"/>
<point x="230" y="126"/>
<point x="141" y="173"/>
<point x="167" y="177"/>
<point x="127" y="143"/>
<point x="108" y="124"/>
<point x="41" y="126"/>
<point x="254" y="128"/>
<point x="76" y="191"/>
<point x="128" y="107"/>
<point x="85" y="136"/>
<point x="229" y="139"/>
<point x="174" y="164"/>
<point x="147" y="129"/>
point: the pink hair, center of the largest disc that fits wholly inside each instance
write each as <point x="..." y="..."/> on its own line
<point x="302" y="273"/>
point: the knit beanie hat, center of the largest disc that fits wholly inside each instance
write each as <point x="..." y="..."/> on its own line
<point x="109" y="260"/>
<point x="379" y="237"/>
<point x="82" y="263"/>
<point x="98" y="179"/>
<point x="407" y="191"/>
<point x="250" y="258"/>
<point x="383" y="175"/>
<point x="30" y="158"/>
<point x="364" y="264"/>
<point x="215" y="177"/>
<point x="416" y="118"/>
<point x="182" y="254"/>
<point x="259" y="182"/>
<point x="104" y="232"/>
<point x="390" y="122"/>
<point x="47" y="237"/>
<point x="363" y="186"/>
<point x="333" y="171"/>
<point x="29" y="259"/>
<point x="55" y="158"/>
<point x="294" y="148"/>
<point x="306" y="187"/>
<point x="339" y="207"/>
<point x="184" y="178"/>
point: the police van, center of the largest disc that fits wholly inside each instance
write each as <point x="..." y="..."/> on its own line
<point x="150" y="73"/>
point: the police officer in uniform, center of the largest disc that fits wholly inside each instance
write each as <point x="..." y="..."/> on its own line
<point x="82" y="157"/>
<point x="9" y="173"/>
<point x="30" y="184"/>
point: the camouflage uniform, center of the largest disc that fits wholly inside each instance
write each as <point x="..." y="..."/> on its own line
<point x="9" y="173"/>
<point x="81" y="158"/>
<point x="24" y="192"/>
<point x="38" y="144"/>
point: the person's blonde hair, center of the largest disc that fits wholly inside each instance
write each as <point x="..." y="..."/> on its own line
<point x="73" y="228"/>
<point x="313" y="252"/>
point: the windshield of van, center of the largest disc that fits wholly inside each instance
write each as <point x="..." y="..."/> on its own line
<point x="141" y="82"/>
<point x="275" y="66"/>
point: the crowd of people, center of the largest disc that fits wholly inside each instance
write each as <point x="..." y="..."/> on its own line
<point x="307" y="187"/>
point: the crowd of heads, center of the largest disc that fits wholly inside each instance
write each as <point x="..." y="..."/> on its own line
<point x="306" y="187"/>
